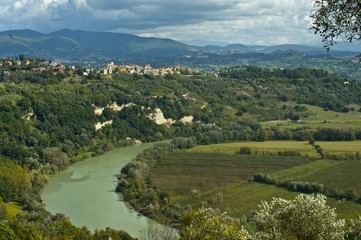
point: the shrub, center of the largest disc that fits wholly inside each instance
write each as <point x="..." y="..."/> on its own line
<point x="182" y="142"/>
<point x="210" y="223"/>
<point x="264" y="178"/>
<point x="305" y="187"/>
<point x="306" y="217"/>
<point x="245" y="150"/>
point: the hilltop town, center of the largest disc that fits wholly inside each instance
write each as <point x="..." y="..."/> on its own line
<point x="8" y="65"/>
<point x="111" y="68"/>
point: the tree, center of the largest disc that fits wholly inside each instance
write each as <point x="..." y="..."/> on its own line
<point x="6" y="232"/>
<point x="262" y="135"/>
<point x="15" y="181"/>
<point x="3" y="211"/>
<point x="160" y="232"/>
<point x="210" y="223"/>
<point x="24" y="231"/>
<point x="55" y="156"/>
<point x="306" y="217"/>
<point x="335" y="19"/>
<point x="353" y="230"/>
<point x="110" y="233"/>
<point x="22" y="57"/>
<point x="182" y="142"/>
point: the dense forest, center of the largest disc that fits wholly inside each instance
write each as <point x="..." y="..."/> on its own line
<point x="48" y="121"/>
<point x="51" y="121"/>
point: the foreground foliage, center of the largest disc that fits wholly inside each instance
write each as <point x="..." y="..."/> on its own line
<point x="306" y="217"/>
<point x="208" y="223"/>
<point x="337" y="19"/>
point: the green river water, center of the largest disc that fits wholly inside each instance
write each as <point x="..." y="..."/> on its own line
<point x="85" y="193"/>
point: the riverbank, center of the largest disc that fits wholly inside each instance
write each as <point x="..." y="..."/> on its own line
<point x="85" y="193"/>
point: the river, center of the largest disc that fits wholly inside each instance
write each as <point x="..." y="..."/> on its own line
<point x="85" y="193"/>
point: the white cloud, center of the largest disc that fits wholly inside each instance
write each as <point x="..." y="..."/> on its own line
<point x="244" y="21"/>
<point x="29" y="10"/>
<point x="252" y="22"/>
<point x="78" y="3"/>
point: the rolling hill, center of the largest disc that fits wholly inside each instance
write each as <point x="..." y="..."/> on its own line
<point x="69" y="44"/>
<point x="87" y="48"/>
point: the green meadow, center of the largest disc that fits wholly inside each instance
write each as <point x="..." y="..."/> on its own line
<point x="317" y="117"/>
<point x="12" y="209"/>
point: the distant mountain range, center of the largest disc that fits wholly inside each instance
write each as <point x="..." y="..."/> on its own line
<point x="93" y="48"/>
<point x="69" y="44"/>
<point x="309" y="50"/>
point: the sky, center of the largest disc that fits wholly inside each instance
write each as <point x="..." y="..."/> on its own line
<point x="252" y="22"/>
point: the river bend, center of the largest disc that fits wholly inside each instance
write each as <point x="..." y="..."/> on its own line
<point x="85" y="193"/>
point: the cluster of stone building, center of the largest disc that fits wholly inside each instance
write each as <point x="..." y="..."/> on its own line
<point x="9" y="62"/>
<point x="33" y="65"/>
<point x="111" y="68"/>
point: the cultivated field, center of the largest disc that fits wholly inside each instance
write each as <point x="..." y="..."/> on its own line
<point x="183" y="173"/>
<point x="341" y="147"/>
<point x="216" y="176"/>
<point x="333" y="174"/>
<point x="302" y="147"/>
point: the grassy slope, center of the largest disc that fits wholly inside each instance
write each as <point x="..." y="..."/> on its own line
<point x="12" y="209"/>
<point x="317" y="117"/>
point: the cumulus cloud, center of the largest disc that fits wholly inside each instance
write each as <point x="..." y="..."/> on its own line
<point x="244" y="21"/>
<point x="78" y="3"/>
